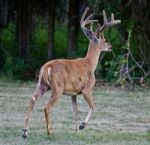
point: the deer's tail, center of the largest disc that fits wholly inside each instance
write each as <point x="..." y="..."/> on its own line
<point x="45" y="74"/>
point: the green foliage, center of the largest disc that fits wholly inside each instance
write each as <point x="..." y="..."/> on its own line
<point x="10" y="65"/>
<point x="8" y="41"/>
<point x="60" y="41"/>
<point x="112" y="67"/>
<point x="17" y="68"/>
<point x="14" y="68"/>
<point x="40" y="43"/>
<point x="38" y="53"/>
<point x="82" y="45"/>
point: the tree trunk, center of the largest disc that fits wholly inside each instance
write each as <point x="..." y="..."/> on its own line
<point x="73" y="27"/>
<point x="24" y="26"/>
<point x="51" y="23"/>
<point x="4" y="13"/>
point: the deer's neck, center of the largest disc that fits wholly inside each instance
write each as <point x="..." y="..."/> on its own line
<point x="93" y="55"/>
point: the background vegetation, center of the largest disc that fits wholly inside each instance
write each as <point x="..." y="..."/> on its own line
<point x="34" y="31"/>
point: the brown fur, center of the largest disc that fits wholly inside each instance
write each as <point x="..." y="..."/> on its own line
<point x="70" y="76"/>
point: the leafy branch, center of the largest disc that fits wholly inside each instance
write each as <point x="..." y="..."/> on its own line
<point x="126" y="69"/>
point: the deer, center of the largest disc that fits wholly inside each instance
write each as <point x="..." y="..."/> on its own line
<point x="72" y="76"/>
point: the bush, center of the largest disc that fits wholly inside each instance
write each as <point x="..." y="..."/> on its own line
<point x="60" y="41"/>
<point x="14" y="68"/>
<point x="8" y="40"/>
<point x="8" y="44"/>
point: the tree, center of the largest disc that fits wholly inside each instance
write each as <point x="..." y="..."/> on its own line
<point x="24" y="14"/>
<point x="51" y="23"/>
<point x="4" y="4"/>
<point x="72" y="26"/>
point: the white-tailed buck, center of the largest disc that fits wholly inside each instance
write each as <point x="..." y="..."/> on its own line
<point x="72" y="77"/>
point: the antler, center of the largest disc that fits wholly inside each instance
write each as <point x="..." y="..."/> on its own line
<point x="89" y="31"/>
<point x="84" y="22"/>
<point x="108" y="24"/>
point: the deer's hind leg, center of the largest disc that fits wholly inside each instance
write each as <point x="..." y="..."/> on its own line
<point x="75" y="109"/>
<point x="38" y="93"/>
<point x="53" y="100"/>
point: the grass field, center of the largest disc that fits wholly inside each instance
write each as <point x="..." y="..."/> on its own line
<point x="120" y="117"/>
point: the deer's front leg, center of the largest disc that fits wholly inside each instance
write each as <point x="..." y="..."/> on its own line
<point x="89" y="99"/>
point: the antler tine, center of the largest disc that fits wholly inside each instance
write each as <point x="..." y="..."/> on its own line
<point x="113" y="20"/>
<point x="104" y="21"/>
<point x="84" y="14"/>
<point x="84" y="21"/>
<point x="104" y="17"/>
<point x="87" y="21"/>
<point x="89" y="17"/>
<point x="112" y="17"/>
<point x="91" y="27"/>
<point x="108" y="24"/>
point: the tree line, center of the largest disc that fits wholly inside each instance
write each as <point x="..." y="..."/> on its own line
<point x="33" y="31"/>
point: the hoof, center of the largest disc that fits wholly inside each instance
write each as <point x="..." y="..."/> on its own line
<point x="82" y="126"/>
<point x="49" y="131"/>
<point x="25" y="133"/>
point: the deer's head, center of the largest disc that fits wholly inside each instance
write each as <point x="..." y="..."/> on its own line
<point x="97" y="37"/>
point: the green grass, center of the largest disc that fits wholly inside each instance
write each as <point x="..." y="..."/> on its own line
<point x="121" y="117"/>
